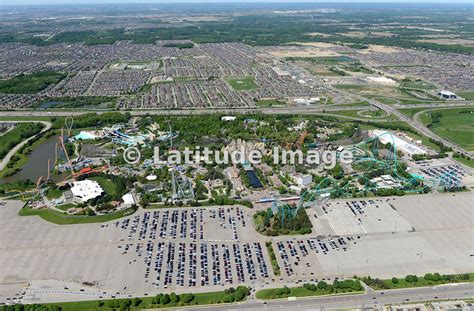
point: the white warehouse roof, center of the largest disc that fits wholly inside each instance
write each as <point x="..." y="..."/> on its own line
<point x="399" y="143"/>
<point x="85" y="190"/>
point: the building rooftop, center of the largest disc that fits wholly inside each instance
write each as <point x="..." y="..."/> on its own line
<point x="85" y="190"/>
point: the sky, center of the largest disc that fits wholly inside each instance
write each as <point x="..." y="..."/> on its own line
<point x="45" y="2"/>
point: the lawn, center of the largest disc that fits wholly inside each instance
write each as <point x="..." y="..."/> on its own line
<point x="108" y="186"/>
<point x="364" y="115"/>
<point x="144" y="302"/>
<point x="464" y="161"/>
<point x="65" y="207"/>
<point x="241" y="83"/>
<point x="418" y="84"/>
<point x="420" y="281"/>
<point x="14" y="136"/>
<point x="317" y="289"/>
<point x="273" y="259"/>
<point x="469" y="95"/>
<point x="53" y="193"/>
<point x="456" y="125"/>
<point x="31" y="83"/>
<point x="63" y="219"/>
<point x="265" y="103"/>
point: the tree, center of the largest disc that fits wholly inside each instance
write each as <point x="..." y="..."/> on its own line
<point x="136" y="301"/>
<point x="165" y="299"/>
<point x="394" y="280"/>
<point x="174" y="297"/>
<point x="125" y="304"/>
<point x="411" y="278"/>
<point x="322" y="285"/>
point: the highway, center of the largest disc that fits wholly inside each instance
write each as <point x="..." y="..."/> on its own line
<point x="420" y="127"/>
<point x="200" y="111"/>
<point x="305" y="110"/>
<point x="416" y="124"/>
<point x="368" y="299"/>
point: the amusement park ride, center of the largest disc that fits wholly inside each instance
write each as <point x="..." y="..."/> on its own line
<point x="364" y="152"/>
<point x="60" y="152"/>
<point x="181" y="185"/>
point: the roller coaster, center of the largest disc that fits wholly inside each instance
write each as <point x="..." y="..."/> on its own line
<point x="365" y="155"/>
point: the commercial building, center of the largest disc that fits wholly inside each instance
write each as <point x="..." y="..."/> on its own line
<point x="400" y="144"/>
<point x="447" y="94"/>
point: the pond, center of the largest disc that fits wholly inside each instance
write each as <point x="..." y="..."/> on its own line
<point x="37" y="164"/>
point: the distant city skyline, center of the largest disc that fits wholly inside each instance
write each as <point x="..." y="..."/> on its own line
<point x="59" y="2"/>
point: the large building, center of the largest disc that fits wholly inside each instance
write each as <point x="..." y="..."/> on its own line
<point x="400" y="144"/>
<point x="447" y="94"/>
<point x="85" y="190"/>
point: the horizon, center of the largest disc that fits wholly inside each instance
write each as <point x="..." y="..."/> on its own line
<point x="158" y="2"/>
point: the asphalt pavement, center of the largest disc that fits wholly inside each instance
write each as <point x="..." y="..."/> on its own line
<point x="367" y="300"/>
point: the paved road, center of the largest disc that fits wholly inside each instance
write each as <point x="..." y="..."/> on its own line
<point x="420" y="127"/>
<point x="7" y="158"/>
<point x="198" y="111"/>
<point x="316" y="109"/>
<point x="453" y="291"/>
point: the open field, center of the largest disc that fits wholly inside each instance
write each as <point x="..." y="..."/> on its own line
<point x="419" y="281"/>
<point x="454" y="124"/>
<point x="197" y="299"/>
<point x="469" y="95"/>
<point x="241" y="83"/>
<point x="31" y="83"/>
<point x="64" y="219"/>
<point x="108" y="186"/>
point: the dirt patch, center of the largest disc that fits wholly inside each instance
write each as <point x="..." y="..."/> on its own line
<point x="318" y="34"/>
<point x="379" y="49"/>
<point x="448" y="41"/>
<point x="313" y="49"/>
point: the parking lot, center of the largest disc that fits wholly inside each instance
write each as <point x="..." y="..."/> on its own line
<point x="168" y="244"/>
<point x="213" y="248"/>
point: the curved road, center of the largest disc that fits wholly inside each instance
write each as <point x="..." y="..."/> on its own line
<point x="7" y="158"/>
<point x="317" y="109"/>
<point x="420" y="127"/>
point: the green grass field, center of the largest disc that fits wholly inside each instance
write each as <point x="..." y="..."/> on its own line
<point x="469" y="95"/>
<point x="456" y="125"/>
<point x="343" y="287"/>
<point x="419" y="84"/>
<point x="65" y="207"/>
<point x="144" y="303"/>
<point x="16" y="135"/>
<point x="265" y="103"/>
<point x="31" y="83"/>
<point x="421" y="281"/>
<point x="63" y="219"/>
<point x="241" y="83"/>
<point x="108" y="186"/>
<point x="273" y="259"/>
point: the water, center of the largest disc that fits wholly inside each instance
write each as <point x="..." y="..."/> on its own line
<point x="37" y="164"/>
